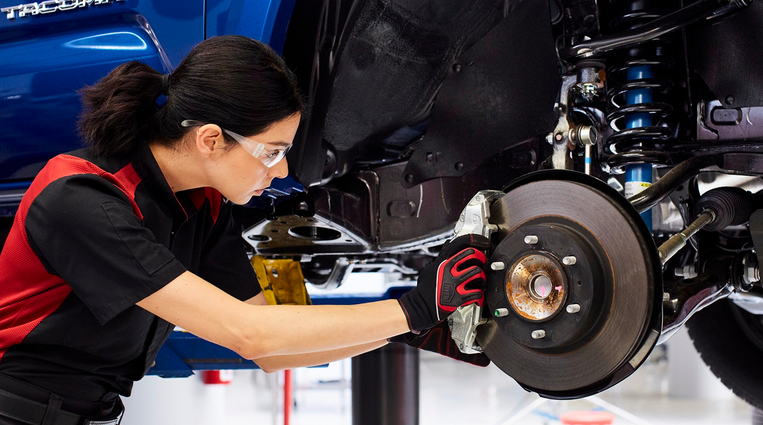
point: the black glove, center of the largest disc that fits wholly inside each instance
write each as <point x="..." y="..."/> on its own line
<point x="454" y="279"/>
<point x="438" y="340"/>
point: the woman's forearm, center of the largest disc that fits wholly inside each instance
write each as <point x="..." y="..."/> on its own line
<point x="276" y="363"/>
<point x="288" y="329"/>
<point x="264" y="331"/>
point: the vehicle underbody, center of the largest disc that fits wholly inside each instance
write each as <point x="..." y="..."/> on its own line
<point x="558" y="115"/>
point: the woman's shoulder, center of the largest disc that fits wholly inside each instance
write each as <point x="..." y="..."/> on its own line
<point x="80" y="177"/>
<point x="82" y="161"/>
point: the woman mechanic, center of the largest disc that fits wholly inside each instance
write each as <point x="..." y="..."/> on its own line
<point x="115" y="244"/>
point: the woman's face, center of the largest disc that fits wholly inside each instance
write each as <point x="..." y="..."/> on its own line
<point x="239" y="176"/>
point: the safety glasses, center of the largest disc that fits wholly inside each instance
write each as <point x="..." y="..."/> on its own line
<point x="256" y="149"/>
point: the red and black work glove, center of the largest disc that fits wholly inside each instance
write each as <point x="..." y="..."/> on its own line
<point x="438" y="340"/>
<point x="454" y="279"/>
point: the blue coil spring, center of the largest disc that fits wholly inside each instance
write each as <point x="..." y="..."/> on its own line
<point x="637" y="118"/>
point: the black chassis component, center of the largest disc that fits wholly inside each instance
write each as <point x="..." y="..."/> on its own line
<point x="490" y="100"/>
<point x="372" y="70"/>
<point x="368" y="211"/>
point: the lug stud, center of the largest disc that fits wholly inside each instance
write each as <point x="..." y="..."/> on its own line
<point x="498" y="265"/>
<point x="573" y="308"/>
<point x="531" y="239"/>
<point x="569" y="260"/>
<point x="501" y="312"/>
<point x="539" y="334"/>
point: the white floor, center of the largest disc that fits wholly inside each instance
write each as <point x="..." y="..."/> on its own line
<point x="672" y="389"/>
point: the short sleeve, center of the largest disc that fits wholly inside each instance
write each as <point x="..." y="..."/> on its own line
<point x="84" y="230"/>
<point x="224" y="262"/>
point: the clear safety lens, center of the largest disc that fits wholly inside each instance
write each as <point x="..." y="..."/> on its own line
<point x="256" y="149"/>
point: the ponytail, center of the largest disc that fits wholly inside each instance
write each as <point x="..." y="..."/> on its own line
<point x="118" y="109"/>
<point x="238" y="83"/>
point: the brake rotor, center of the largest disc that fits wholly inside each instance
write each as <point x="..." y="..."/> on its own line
<point x="578" y="300"/>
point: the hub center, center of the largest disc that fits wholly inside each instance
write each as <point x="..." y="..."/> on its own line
<point x="535" y="286"/>
<point x="541" y="286"/>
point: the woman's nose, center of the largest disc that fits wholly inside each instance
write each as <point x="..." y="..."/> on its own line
<point x="279" y="170"/>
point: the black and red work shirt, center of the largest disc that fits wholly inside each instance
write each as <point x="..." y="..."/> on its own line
<point x="92" y="237"/>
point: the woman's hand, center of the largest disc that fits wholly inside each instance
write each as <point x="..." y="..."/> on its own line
<point x="454" y="279"/>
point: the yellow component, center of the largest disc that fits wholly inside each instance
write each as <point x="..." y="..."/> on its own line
<point x="281" y="281"/>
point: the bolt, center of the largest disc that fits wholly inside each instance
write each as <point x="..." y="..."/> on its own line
<point x="501" y="312"/>
<point x="687" y="272"/>
<point x="531" y="239"/>
<point x="665" y="297"/>
<point x="498" y="265"/>
<point x="752" y="275"/>
<point x="569" y="260"/>
<point x="409" y="178"/>
<point x="459" y="166"/>
<point x="573" y="308"/>
<point x="730" y="99"/>
<point x="479" y="198"/>
<point x="539" y="334"/>
<point x="450" y="322"/>
<point x="457" y="68"/>
<point x="588" y="90"/>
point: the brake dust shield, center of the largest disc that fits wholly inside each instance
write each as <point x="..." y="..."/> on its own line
<point x="579" y="296"/>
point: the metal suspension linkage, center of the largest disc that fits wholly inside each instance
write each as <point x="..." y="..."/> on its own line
<point x="702" y="9"/>
<point x="668" y="249"/>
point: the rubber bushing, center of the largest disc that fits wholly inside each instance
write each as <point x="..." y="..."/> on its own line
<point x="732" y="206"/>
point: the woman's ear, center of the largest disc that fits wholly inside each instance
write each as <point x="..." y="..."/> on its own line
<point x="209" y="140"/>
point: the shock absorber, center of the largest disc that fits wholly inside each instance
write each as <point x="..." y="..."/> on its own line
<point x="637" y="115"/>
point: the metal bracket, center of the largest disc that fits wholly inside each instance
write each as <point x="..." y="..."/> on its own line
<point x="559" y="138"/>
<point x="463" y="328"/>
<point x="475" y="220"/>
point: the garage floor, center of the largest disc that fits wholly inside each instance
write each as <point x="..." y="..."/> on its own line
<point x="451" y="393"/>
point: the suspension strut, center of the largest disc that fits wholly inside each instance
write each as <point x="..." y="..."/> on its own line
<point x="638" y="112"/>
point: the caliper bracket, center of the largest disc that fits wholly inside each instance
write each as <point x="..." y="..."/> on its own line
<point x="475" y="219"/>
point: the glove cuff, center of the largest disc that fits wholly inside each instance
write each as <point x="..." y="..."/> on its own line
<point x="418" y="319"/>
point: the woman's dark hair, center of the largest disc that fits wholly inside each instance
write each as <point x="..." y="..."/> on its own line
<point x="235" y="82"/>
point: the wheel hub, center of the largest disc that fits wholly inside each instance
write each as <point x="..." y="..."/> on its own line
<point x="535" y="286"/>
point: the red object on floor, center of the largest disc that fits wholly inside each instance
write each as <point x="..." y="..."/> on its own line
<point x="286" y="396"/>
<point x="216" y="376"/>
<point x="588" y="417"/>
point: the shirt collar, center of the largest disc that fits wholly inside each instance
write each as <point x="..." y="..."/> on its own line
<point x="144" y="163"/>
